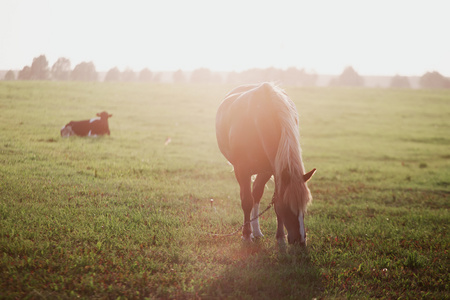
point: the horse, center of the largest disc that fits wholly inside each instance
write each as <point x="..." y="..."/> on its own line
<point x="257" y="132"/>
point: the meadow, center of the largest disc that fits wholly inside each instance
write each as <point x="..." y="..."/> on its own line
<point x="129" y="215"/>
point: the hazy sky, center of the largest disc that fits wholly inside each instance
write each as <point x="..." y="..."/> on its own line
<point x="380" y="37"/>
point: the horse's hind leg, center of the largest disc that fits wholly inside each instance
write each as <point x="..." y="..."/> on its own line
<point x="258" y="190"/>
<point x="244" y="181"/>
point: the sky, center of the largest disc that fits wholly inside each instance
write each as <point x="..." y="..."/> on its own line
<point x="380" y="37"/>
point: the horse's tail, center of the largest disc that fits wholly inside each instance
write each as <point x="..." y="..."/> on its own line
<point x="289" y="169"/>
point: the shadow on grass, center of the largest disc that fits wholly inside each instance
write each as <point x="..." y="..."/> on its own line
<point x="268" y="272"/>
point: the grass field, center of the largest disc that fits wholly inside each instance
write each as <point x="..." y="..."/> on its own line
<point x="126" y="216"/>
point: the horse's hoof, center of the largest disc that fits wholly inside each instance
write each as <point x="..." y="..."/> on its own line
<point x="300" y="244"/>
<point x="281" y="245"/>
<point x="281" y="241"/>
<point x="247" y="239"/>
<point x="257" y="235"/>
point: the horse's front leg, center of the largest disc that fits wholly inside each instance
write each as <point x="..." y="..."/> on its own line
<point x="258" y="190"/>
<point x="246" y="202"/>
<point x="280" y="226"/>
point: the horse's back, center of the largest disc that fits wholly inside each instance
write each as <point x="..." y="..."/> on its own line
<point x="247" y="127"/>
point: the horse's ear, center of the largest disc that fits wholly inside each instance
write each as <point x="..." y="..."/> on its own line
<point x="308" y="175"/>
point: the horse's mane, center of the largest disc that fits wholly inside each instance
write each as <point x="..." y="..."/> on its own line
<point x="289" y="168"/>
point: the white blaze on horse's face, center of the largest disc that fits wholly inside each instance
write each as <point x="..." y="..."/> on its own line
<point x="302" y="229"/>
<point x="295" y="227"/>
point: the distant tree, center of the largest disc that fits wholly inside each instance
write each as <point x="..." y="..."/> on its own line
<point x="157" y="77"/>
<point x="294" y="76"/>
<point x="25" y="73"/>
<point x="178" y="77"/>
<point x="145" y="75"/>
<point x="113" y="75"/>
<point x="10" y="75"/>
<point x="259" y="75"/>
<point x="400" y="82"/>
<point x="309" y="79"/>
<point x="251" y="76"/>
<point x="61" y="69"/>
<point x="434" y="80"/>
<point x="39" y="68"/>
<point x="271" y="74"/>
<point x="233" y="78"/>
<point x="349" y="77"/>
<point x="216" y="78"/>
<point x="201" y="75"/>
<point x="84" y="71"/>
<point x="128" y="75"/>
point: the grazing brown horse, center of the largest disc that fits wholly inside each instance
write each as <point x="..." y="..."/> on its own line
<point x="257" y="131"/>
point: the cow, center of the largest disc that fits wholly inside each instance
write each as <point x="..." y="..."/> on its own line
<point x="92" y="127"/>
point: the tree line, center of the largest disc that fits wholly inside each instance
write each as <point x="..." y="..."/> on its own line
<point x="349" y="77"/>
<point x="61" y="70"/>
<point x="86" y="71"/>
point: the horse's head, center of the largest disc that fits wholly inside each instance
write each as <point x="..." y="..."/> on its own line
<point x="292" y="218"/>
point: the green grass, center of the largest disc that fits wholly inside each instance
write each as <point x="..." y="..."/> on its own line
<point x="126" y="216"/>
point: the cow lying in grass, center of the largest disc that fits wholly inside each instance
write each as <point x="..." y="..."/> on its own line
<point x="92" y="127"/>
